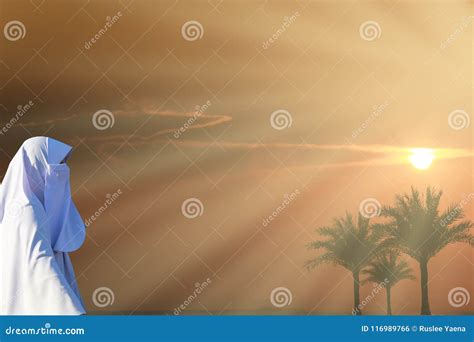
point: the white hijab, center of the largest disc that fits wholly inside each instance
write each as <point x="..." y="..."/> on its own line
<point x="39" y="225"/>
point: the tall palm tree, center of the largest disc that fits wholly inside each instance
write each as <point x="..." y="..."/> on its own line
<point x="421" y="231"/>
<point x="347" y="244"/>
<point x="387" y="271"/>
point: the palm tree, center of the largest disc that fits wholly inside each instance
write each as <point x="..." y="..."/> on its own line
<point x="348" y="244"/>
<point x="387" y="271"/>
<point x="421" y="231"/>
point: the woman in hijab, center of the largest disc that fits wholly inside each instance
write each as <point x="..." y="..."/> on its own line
<point x="39" y="226"/>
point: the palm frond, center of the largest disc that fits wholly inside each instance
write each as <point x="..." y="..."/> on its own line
<point x="346" y="243"/>
<point x="324" y="258"/>
<point x="418" y="227"/>
<point x="388" y="267"/>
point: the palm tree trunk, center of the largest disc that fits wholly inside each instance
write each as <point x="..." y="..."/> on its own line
<point x="356" y="309"/>
<point x="425" y="304"/>
<point x="389" y="300"/>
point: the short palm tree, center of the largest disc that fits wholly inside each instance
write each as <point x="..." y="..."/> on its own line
<point x="387" y="271"/>
<point x="421" y="231"/>
<point x="347" y="244"/>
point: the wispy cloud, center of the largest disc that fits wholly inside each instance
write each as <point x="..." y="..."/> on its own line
<point x="143" y="135"/>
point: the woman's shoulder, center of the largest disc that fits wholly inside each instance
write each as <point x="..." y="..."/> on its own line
<point x="22" y="212"/>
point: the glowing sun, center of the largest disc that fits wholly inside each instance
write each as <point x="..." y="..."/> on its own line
<point x="421" y="158"/>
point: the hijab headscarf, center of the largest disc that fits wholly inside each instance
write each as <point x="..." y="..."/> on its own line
<point x="39" y="225"/>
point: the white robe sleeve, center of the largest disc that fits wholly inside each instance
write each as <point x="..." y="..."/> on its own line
<point x="31" y="280"/>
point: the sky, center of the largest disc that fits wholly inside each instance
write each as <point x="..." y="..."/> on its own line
<point x="236" y="108"/>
